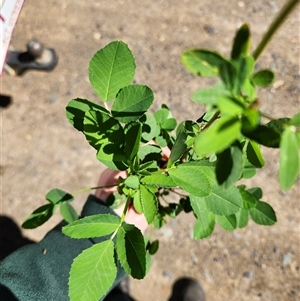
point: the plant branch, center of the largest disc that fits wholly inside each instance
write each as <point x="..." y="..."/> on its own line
<point x="122" y="217"/>
<point x="128" y="201"/>
<point x="284" y="12"/>
<point x="212" y="120"/>
<point x="93" y="188"/>
<point x="178" y="193"/>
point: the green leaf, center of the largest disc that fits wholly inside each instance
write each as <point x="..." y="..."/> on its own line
<point x="228" y="223"/>
<point x="132" y="182"/>
<point x="162" y="115"/>
<point x="131" y="251"/>
<point x="224" y="201"/>
<point x="158" y="179"/>
<point x="250" y="120"/>
<point x="249" y="171"/>
<point x="231" y="106"/>
<point x="100" y="129"/>
<point x="228" y="74"/>
<point x="77" y="108"/>
<point x="242" y="218"/>
<point x="132" y="139"/>
<point x="178" y="149"/>
<point x="295" y="120"/>
<point x="150" y="128"/>
<point x="150" y="152"/>
<point x="289" y="158"/>
<point x="195" y="178"/>
<point x="250" y="91"/>
<point x="263" y="78"/>
<point x="162" y="140"/>
<point x="148" y="262"/>
<point x="212" y="95"/>
<point x="202" y="62"/>
<point x="39" y="216"/>
<point x="113" y="157"/>
<point x="254" y="154"/>
<point x="244" y="67"/>
<point x="205" y="223"/>
<point x="249" y="200"/>
<point x="56" y="196"/>
<point x="298" y="138"/>
<point x="149" y="203"/>
<point x="111" y="69"/>
<point x="241" y="42"/>
<point x="164" y="119"/>
<point x="264" y="135"/>
<point x="229" y="166"/>
<point x="137" y="202"/>
<point x="132" y="102"/>
<point x="172" y="210"/>
<point x="153" y="247"/>
<point x="92" y="226"/>
<point x="93" y="272"/>
<point x="189" y="127"/>
<point x="278" y="125"/>
<point x="148" y="168"/>
<point x="218" y="136"/>
<point x="68" y="212"/>
<point x="263" y="214"/>
<point x="256" y="192"/>
<point x="169" y="124"/>
<point x="159" y="220"/>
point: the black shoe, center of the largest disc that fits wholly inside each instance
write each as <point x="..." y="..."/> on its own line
<point x="120" y="292"/>
<point x="187" y="289"/>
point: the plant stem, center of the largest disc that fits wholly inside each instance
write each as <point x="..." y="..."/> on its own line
<point x="122" y="217"/>
<point x="267" y="116"/>
<point x="125" y="209"/>
<point x="211" y="120"/>
<point x="284" y="12"/>
<point x="92" y="188"/>
<point x="106" y="106"/>
<point x="178" y="193"/>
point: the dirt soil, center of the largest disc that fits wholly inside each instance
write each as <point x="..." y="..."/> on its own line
<point x="40" y="150"/>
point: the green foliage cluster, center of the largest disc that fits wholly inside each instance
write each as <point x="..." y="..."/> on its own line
<point x="208" y="157"/>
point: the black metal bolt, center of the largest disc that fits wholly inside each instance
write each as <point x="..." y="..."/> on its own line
<point x="35" y="48"/>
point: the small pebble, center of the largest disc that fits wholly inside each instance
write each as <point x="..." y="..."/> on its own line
<point x="218" y="259"/>
<point x="97" y="35"/>
<point x="287" y="258"/>
<point x="194" y="259"/>
<point x="167" y="274"/>
<point x="248" y="274"/>
<point x="149" y="66"/>
<point x="278" y="84"/>
<point x="210" y="29"/>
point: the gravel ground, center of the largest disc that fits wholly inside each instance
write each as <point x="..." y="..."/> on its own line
<point x="40" y="150"/>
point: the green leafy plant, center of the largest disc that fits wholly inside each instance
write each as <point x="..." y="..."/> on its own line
<point x="208" y="157"/>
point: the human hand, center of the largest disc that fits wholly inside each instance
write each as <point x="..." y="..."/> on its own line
<point x="109" y="177"/>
